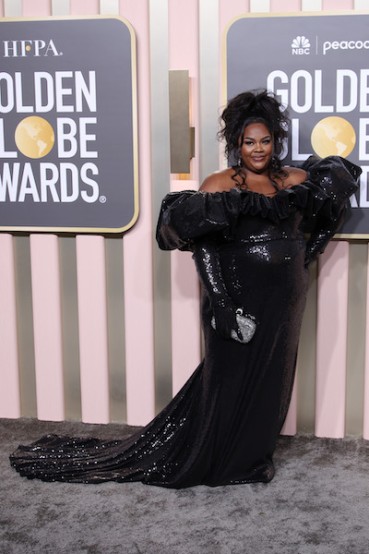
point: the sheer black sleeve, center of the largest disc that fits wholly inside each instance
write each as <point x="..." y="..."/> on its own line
<point x="208" y="266"/>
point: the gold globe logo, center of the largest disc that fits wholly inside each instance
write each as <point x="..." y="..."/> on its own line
<point x="333" y="136"/>
<point x="34" y="137"/>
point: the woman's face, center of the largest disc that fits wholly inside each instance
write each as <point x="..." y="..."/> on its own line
<point x="257" y="147"/>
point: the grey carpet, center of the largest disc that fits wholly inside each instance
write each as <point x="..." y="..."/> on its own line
<point x="318" y="503"/>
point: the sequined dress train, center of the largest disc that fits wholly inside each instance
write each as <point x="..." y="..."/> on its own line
<point x="222" y="427"/>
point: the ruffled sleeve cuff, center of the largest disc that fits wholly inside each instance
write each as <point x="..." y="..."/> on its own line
<point x="188" y="215"/>
<point x="336" y="176"/>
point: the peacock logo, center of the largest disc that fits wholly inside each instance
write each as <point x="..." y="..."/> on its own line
<point x="300" y="46"/>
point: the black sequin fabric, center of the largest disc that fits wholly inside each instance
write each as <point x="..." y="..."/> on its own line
<point x="222" y="427"/>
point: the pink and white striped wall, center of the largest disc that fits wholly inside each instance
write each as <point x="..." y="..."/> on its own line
<point x="106" y="329"/>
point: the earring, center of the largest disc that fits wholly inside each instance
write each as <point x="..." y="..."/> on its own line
<point x="239" y="162"/>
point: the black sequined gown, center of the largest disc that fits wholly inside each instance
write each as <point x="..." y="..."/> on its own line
<point x="222" y="427"/>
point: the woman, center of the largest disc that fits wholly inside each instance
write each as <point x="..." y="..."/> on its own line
<point x="246" y="227"/>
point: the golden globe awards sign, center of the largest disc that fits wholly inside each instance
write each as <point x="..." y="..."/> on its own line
<point x="318" y="66"/>
<point x="68" y="125"/>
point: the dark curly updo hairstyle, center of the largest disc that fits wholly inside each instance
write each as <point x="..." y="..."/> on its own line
<point x="257" y="106"/>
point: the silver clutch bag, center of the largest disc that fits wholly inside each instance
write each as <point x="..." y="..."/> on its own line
<point x="246" y="325"/>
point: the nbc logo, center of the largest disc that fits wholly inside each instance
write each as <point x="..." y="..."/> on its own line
<point x="300" y="45"/>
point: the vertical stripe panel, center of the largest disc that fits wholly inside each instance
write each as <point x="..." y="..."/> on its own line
<point x="186" y="341"/>
<point x="160" y="152"/>
<point x="69" y="301"/>
<point x="93" y="340"/>
<point x="259" y="6"/>
<point x="9" y="364"/>
<point x="366" y="386"/>
<point x="361" y="5"/>
<point x="60" y="7"/>
<point x="290" y="425"/>
<point x="109" y="7"/>
<point x="227" y="12"/>
<point x="35" y="8"/>
<point x="306" y="361"/>
<point x="138" y="290"/>
<point x="27" y="381"/>
<point x="84" y="7"/>
<point x="12" y="8"/>
<point x="357" y="293"/>
<point x="311" y="5"/>
<point x="26" y="351"/>
<point x="47" y="327"/>
<point x="116" y="331"/>
<point x="209" y="51"/>
<point x="337" y="5"/>
<point x="285" y="6"/>
<point x="184" y="22"/>
<point x="331" y="340"/>
<point x="186" y="344"/>
<point x="185" y="311"/>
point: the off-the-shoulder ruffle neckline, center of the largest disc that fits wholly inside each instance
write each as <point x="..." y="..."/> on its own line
<point x="306" y="195"/>
<point x="238" y="190"/>
<point x="341" y="171"/>
<point x="328" y="184"/>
